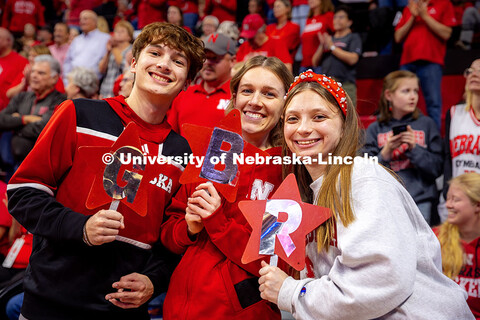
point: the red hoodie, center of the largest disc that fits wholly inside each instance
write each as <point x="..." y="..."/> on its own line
<point x="211" y="282"/>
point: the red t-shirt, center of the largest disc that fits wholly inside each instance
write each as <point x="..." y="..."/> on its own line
<point x="187" y="6"/>
<point x="59" y="86"/>
<point x="289" y="34"/>
<point x="299" y="2"/>
<point x="10" y="66"/>
<point x="198" y="107"/>
<point x="421" y="43"/>
<point x="77" y="6"/>
<point x="468" y="277"/>
<point x="5" y="219"/>
<point x="20" y="12"/>
<point x="271" y="48"/>
<point x="318" y="24"/>
<point x="149" y="11"/>
<point x="224" y="10"/>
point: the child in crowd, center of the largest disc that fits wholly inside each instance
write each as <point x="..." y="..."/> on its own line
<point x="406" y="141"/>
<point x="459" y="236"/>
<point x="376" y="257"/>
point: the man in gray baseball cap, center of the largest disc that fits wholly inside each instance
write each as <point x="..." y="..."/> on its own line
<point x="204" y="104"/>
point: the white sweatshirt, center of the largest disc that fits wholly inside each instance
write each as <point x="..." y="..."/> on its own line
<point x="386" y="264"/>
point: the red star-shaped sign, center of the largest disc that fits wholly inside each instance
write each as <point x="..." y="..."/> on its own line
<point x="218" y="146"/>
<point x="114" y="180"/>
<point x="280" y="225"/>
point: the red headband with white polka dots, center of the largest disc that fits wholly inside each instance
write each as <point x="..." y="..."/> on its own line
<point x="334" y="87"/>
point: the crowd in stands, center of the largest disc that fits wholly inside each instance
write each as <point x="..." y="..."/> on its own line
<point x="52" y="51"/>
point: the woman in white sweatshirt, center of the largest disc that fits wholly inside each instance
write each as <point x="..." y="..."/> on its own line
<point x="376" y="257"/>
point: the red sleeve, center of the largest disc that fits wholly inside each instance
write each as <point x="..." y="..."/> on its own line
<point x="172" y="115"/>
<point x="448" y="16"/>
<point x="230" y="231"/>
<point x="174" y="232"/>
<point x="405" y="16"/>
<point x="5" y="217"/>
<point x="31" y="191"/>
<point x="17" y="81"/>
<point x="6" y="14"/>
<point x="229" y="5"/>
<point x="59" y="85"/>
<point x="40" y="16"/>
<point x="281" y="51"/>
<point x="116" y="85"/>
<point x="208" y="8"/>
<point x="241" y="52"/>
<point x="53" y="155"/>
<point x="157" y="3"/>
<point x="329" y="16"/>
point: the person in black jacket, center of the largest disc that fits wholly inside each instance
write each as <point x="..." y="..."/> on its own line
<point x="90" y="259"/>
<point x="28" y="112"/>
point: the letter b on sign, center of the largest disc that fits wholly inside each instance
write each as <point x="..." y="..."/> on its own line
<point x="222" y="137"/>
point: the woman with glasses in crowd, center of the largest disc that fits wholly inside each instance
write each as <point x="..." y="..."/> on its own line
<point x="462" y="130"/>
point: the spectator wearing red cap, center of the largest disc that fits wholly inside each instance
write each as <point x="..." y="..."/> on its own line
<point x="259" y="44"/>
<point x="204" y="104"/>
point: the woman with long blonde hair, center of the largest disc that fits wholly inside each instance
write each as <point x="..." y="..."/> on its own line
<point x="459" y="236"/>
<point x="210" y="281"/>
<point x="462" y="130"/>
<point x="376" y="257"/>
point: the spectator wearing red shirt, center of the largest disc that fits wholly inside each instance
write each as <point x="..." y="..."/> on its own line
<point x="17" y="243"/>
<point x="11" y="64"/>
<point x="175" y="16"/>
<point x="60" y="46"/>
<point x="320" y="20"/>
<point x="224" y="10"/>
<point x="204" y="104"/>
<point x="209" y="26"/>
<point x="149" y="11"/>
<point x="424" y="28"/>
<point x="17" y="13"/>
<point x="75" y="7"/>
<point x="284" y="29"/>
<point x="259" y="44"/>
<point x="300" y="10"/>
